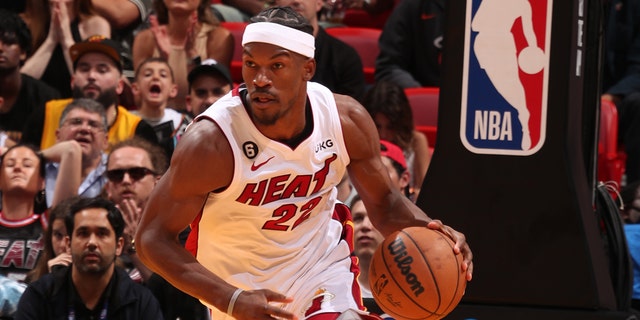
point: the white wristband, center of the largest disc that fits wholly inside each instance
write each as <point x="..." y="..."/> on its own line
<point x="232" y="302"/>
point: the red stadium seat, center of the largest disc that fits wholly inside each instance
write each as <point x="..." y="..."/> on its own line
<point x="424" y="105"/>
<point x="431" y="132"/>
<point x="611" y="158"/>
<point x="363" y="19"/>
<point x="236" y="29"/>
<point x="365" y="41"/>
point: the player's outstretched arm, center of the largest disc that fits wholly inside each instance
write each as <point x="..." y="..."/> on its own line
<point x="387" y="207"/>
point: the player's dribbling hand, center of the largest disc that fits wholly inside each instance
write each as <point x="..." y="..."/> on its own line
<point x="255" y="304"/>
<point x="461" y="245"/>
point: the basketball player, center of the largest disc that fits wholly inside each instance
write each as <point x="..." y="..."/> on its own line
<point x="256" y="174"/>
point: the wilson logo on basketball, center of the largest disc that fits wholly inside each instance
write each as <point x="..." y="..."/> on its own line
<point x="403" y="261"/>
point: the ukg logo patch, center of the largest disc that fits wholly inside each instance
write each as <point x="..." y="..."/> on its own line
<point x="505" y="76"/>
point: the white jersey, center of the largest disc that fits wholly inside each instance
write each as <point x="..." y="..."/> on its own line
<point x="272" y="228"/>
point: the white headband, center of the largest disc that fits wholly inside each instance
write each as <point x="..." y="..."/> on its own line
<point x="281" y="36"/>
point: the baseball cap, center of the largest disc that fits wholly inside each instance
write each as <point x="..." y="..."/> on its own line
<point x="210" y="66"/>
<point x="96" y="43"/>
<point x="392" y="152"/>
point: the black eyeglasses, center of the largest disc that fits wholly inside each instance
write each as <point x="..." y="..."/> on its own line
<point x="135" y="174"/>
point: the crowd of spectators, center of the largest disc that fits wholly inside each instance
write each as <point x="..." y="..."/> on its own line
<point x="96" y="94"/>
<point x="94" y="97"/>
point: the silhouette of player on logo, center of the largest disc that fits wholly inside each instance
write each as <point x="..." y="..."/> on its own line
<point x="496" y="51"/>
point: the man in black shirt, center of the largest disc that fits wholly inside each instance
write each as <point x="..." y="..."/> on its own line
<point x="92" y="287"/>
<point x="20" y="94"/>
<point x="411" y="44"/>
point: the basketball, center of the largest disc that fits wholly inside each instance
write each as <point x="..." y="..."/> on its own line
<point x="531" y="60"/>
<point x="414" y="274"/>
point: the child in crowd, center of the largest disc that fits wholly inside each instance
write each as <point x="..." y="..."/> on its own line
<point x="55" y="252"/>
<point x="155" y="85"/>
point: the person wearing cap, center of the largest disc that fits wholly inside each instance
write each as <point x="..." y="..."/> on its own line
<point x="155" y="85"/>
<point x="208" y="82"/>
<point x="20" y="94"/>
<point x="396" y="164"/>
<point x="97" y="75"/>
<point x="255" y="176"/>
<point x="56" y="25"/>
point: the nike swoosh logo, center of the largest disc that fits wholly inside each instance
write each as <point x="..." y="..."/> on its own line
<point x="255" y="167"/>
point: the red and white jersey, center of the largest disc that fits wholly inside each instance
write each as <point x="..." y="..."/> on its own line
<point x="21" y="245"/>
<point x="272" y="228"/>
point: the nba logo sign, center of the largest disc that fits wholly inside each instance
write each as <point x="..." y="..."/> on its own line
<point x="505" y="76"/>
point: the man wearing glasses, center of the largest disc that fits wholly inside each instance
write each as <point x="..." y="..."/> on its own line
<point x="81" y="134"/>
<point x="133" y="168"/>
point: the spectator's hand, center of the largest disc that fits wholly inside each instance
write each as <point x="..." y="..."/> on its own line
<point x="63" y="259"/>
<point x="461" y="245"/>
<point x="66" y="38"/>
<point x="56" y="152"/>
<point x="55" y="30"/>
<point x="161" y="36"/>
<point x="131" y="214"/>
<point x="192" y="33"/>
<point x="255" y="304"/>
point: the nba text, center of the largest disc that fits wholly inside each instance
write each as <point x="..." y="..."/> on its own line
<point x="493" y="125"/>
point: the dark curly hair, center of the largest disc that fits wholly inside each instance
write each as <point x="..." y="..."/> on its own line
<point x="113" y="213"/>
<point x="14" y="30"/>
<point x="390" y="100"/>
<point x="285" y="16"/>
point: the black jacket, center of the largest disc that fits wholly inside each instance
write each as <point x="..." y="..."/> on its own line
<point x="621" y="70"/>
<point x="48" y="298"/>
<point x="338" y="66"/>
<point x="411" y="44"/>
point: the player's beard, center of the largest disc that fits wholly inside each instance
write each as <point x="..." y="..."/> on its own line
<point x="266" y="119"/>
<point x="107" y="97"/>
